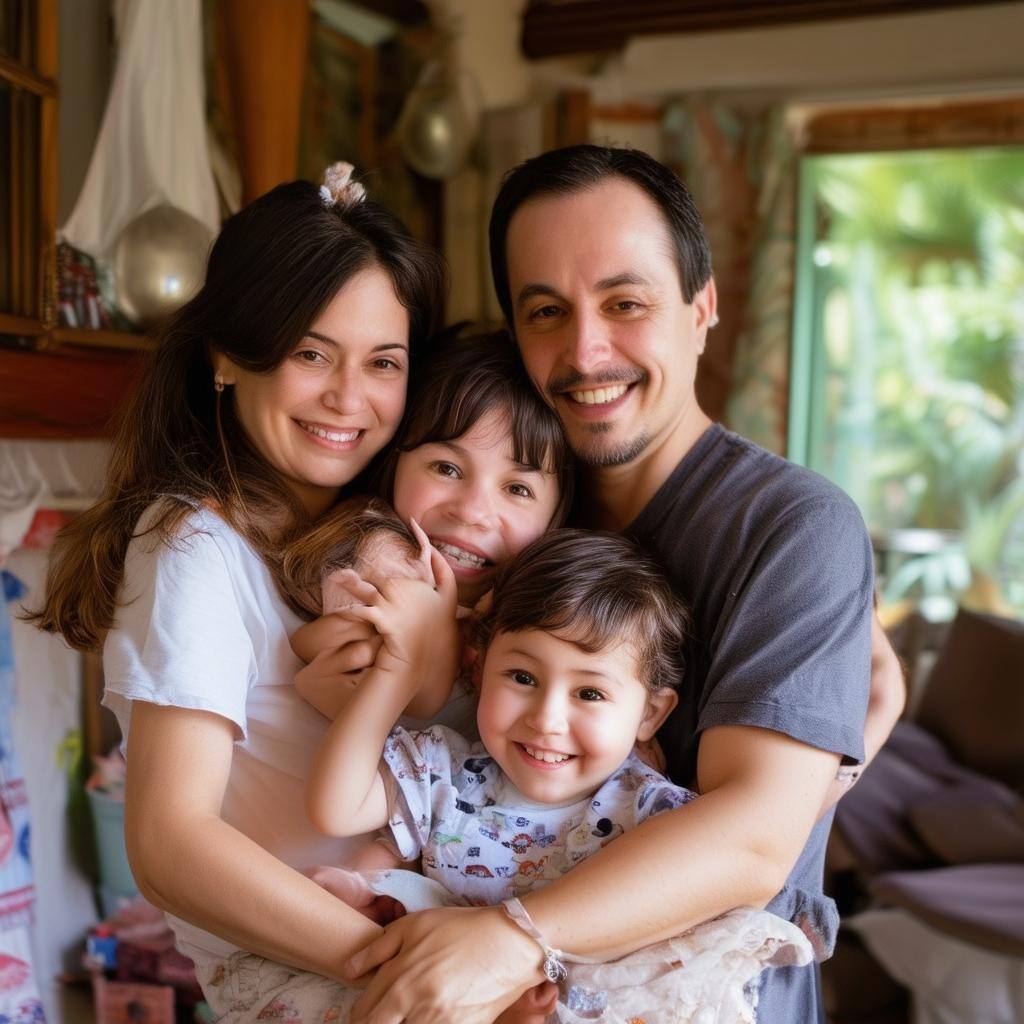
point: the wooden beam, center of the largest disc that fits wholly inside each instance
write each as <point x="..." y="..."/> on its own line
<point x="103" y="339"/>
<point x="996" y="122"/>
<point x="266" y="48"/>
<point x="20" y="326"/>
<point x="46" y="64"/>
<point x="407" y="12"/>
<point x="558" y="27"/>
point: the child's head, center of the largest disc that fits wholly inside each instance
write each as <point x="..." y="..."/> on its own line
<point x="582" y="650"/>
<point x="480" y="461"/>
<point x="361" y="533"/>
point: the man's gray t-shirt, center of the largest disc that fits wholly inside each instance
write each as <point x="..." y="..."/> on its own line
<point x="775" y="563"/>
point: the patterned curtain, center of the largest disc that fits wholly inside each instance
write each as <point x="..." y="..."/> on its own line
<point x="740" y="165"/>
<point x="20" y="1002"/>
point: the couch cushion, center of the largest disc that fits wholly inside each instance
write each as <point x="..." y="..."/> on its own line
<point x="982" y="904"/>
<point x="974" y="697"/>
<point x="968" y="832"/>
<point x="913" y="769"/>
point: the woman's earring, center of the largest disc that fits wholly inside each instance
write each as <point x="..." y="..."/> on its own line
<point x="713" y="322"/>
<point x="218" y="383"/>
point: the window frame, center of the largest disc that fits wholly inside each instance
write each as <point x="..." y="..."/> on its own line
<point x="36" y="318"/>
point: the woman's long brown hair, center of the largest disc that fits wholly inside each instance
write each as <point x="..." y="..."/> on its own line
<point x="178" y="444"/>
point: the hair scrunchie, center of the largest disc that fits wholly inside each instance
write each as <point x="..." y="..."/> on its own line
<point x="338" y="188"/>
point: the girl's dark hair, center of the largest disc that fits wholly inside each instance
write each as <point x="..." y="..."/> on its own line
<point x="465" y="378"/>
<point x="335" y="541"/>
<point x="274" y="267"/>
<point x="595" y="589"/>
<point x="576" y="168"/>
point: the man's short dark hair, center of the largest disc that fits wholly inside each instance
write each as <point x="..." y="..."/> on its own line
<point x="594" y="589"/>
<point x="576" y="168"/>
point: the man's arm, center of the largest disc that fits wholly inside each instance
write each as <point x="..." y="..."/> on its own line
<point x="886" y="702"/>
<point x="735" y="846"/>
<point x="760" y="794"/>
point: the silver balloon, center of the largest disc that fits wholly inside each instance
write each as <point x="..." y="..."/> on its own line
<point x="159" y="262"/>
<point x="439" y="121"/>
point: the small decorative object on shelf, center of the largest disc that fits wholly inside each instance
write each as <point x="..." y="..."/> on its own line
<point x="85" y="293"/>
<point x="159" y="263"/>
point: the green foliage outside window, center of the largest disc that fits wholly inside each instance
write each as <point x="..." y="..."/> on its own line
<point x="913" y="314"/>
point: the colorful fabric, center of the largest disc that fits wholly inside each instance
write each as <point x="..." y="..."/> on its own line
<point x="20" y="1002"/>
<point x="707" y="975"/>
<point x="479" y="837"/>
<point x="17" y="892"/>
<point x="246" y="988"/>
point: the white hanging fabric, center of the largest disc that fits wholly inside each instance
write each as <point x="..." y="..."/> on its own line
<point x="152" y="146"/>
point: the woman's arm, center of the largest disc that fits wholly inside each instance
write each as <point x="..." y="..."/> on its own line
<point x="187" y="860"/>
<point x="762" y="792"/>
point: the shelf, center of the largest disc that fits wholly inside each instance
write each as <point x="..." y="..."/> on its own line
<point x="100" y="338"/>
<point x="21" y="326"/>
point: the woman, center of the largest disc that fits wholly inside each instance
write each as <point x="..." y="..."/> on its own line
<point x="268" y="393"/>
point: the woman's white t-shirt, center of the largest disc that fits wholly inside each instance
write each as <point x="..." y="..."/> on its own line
<point x="200" y="625"/>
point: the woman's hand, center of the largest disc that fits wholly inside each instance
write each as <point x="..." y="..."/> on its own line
<point x="439" y="966"/>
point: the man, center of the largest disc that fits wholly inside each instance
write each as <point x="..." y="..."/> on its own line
<point x="603" y="271"/>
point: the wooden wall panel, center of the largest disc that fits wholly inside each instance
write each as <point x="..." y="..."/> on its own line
<point x="63" y="393"/>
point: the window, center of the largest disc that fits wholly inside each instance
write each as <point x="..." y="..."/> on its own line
<point x="908" y="363"/>
<point x="28" y="164"/>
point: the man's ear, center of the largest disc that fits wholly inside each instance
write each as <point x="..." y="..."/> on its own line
<point x="705" y="304"/>
<point x="223" y="369"/>
<point x="660" y="704"/>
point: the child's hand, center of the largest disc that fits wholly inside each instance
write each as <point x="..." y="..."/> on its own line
<point x="326" y="683"/>
<point x="337" y="651"/>
<point x="534" y="1006"/>
<point x="416" y="621"/>
<point x="351" y="887"/>
<point x="333" y="632"/>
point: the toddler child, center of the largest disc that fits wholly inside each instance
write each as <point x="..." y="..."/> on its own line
<point x="581" y="648"/>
